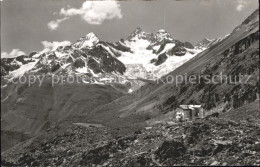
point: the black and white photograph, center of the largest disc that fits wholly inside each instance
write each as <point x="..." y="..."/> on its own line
<point x="129" y="83"/>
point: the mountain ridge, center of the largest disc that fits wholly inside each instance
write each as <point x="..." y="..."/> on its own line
<point x="158" y="53"/>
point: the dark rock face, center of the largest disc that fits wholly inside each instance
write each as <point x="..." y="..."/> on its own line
<point x="79" y="63"/>
<point x="52" y="56"/>
<point x="55" y="67"/>
<point x="161" y="59"/>
<point x="94" y="65"/>
<point x="162" y="46"/>
<point x="102" y="153"/>
<point x="69" y="60"/>
<point x="178" y="51"/>
<point x="32" y="54"/>
<point x="195" y="132"/>
<point x="107" y="62"/>
<point x="120" y="47"/>
<point x="21" y="59"/>
<point x="242" y="45"/>
<point x="171" y="102"/>
<point x="153" y="61"/>
<point x="179" y="43"/>
<point x="98" y="155"/>
<point x="170" y="150"/>
<point x="188" y="45"/>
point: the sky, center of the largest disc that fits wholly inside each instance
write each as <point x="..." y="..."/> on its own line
<point x="34" y="25"/>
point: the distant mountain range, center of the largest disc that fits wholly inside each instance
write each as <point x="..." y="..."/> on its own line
<point x="141" y="55"/>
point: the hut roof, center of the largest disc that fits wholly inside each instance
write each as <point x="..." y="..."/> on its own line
<point x="191" y="107"/>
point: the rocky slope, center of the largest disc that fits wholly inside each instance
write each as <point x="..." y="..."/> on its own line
<point x="30" y="109"/>
<point x="227" y="140"/>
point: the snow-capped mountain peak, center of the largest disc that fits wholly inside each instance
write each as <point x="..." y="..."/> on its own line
<point x="138" y="33"/>
<point x="206" y="43"/>
<point x="91" y="35"/>
<point x="89" y="40"/>
<point x="135" y="34"/>
<point x="162" y="31"/>
<point x="138" y="30"/>
<point x="163" y="35"/>
<point x="158" y="37"/>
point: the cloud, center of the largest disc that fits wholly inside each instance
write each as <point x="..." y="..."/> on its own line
<point x="12" y="54"/>
<point x="242" y="4"/>
<point x="53" y="25"/>
<point x="93" y="12"/>
<point x="51" y="46"/>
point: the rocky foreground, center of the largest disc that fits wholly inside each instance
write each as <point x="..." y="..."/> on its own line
<point x="225" y="140"/>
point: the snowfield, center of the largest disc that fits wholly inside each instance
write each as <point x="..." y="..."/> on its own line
<point x="140" y="53"/>
<point x="142" y="56"/>
<point x="22" y="70"/>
